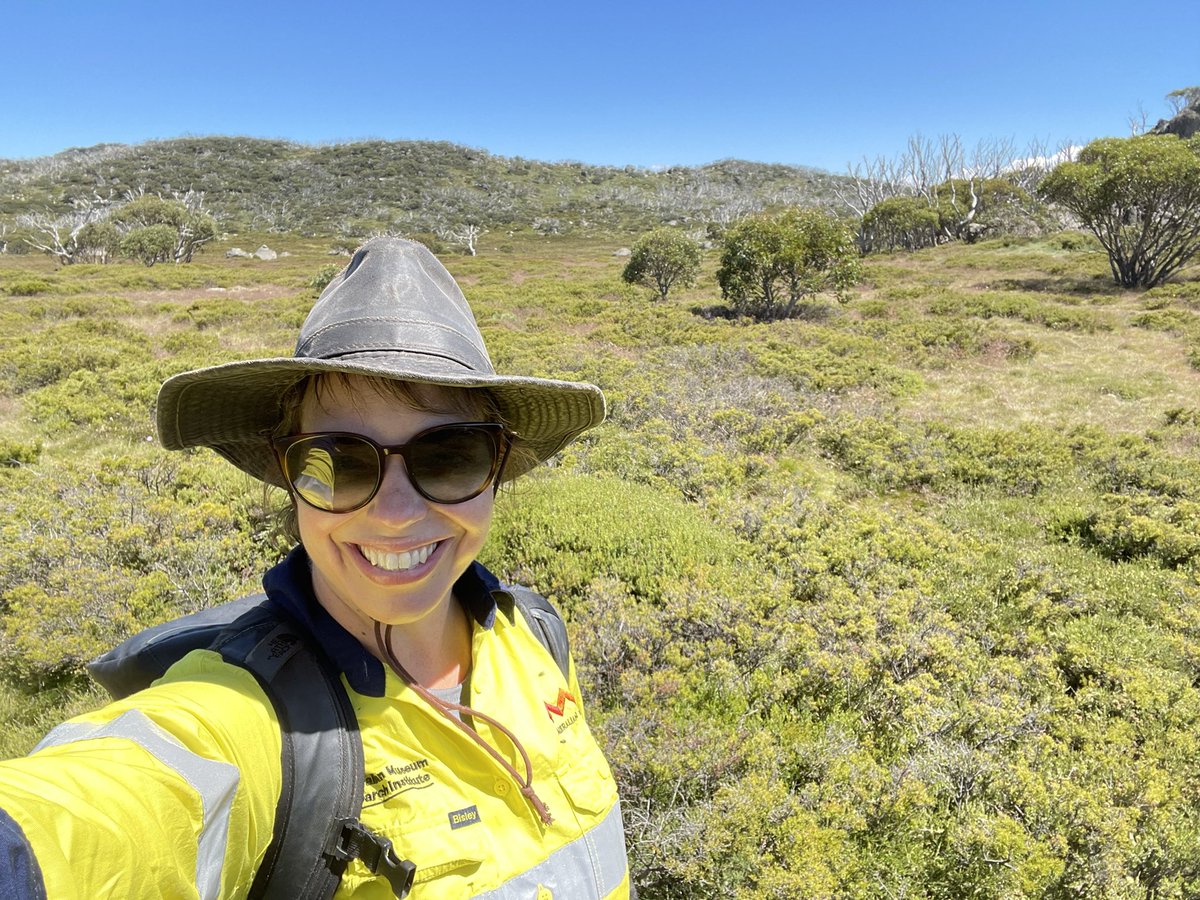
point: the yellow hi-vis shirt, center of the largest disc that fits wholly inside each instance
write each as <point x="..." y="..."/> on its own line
<point x="172" y="792"/>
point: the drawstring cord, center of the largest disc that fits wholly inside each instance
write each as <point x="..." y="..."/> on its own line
<point x="383" y="635"/>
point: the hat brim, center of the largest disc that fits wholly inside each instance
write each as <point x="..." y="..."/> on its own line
<point x="233" y="407"/>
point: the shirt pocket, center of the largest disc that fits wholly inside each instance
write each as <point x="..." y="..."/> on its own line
<point x="587" y="783"/>
<point x="448" y="854"/>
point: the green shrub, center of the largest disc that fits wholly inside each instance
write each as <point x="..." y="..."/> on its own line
<point x="898" y="223"/>
<point x="14" y="453"/>
<point x="771" y="265"/>
<point x="1134" y="527"/>
<point x="663" y="259"/>
<point x="113" y="401"/>
<point x="323" y="276"/>
<point x="36" y="359"/>
<point x="27" y="287"/>
<point x="1075" y="241"/>
<point x="160" y="537"/>
<point x="561" y="534"/>
<point x="1027" y="307"/>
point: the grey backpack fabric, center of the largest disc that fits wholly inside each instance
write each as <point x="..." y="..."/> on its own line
<point x="322" y="756"/>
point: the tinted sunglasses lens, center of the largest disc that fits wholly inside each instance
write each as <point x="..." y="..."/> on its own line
<point x="452" y="464"/>
<point x="333" y="472"/>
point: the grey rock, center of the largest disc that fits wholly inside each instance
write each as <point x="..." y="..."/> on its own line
<point x="238" y="253"/>
<point x="265" y="253"/>
<point x="1184" y="125"/>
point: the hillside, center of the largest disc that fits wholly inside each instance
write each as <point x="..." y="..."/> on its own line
<point x="895" y="600"/>
<point x="409" y="186"/>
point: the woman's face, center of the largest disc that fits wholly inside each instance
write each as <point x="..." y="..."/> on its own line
<point x="396" y="559"/>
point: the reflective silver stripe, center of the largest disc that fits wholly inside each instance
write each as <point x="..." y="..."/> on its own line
<point x="589" y="868"/>
<point x="215" y="782"/>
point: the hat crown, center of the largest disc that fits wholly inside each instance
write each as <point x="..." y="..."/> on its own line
<point x="394" y="297"/>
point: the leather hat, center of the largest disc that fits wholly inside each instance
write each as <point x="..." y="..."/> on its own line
<point x="393" y="312"/>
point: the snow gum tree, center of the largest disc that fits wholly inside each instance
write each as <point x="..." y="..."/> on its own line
<point x="770" y="265"/>
<point x="662" y="259"/>
<point x="1141" y="197"/>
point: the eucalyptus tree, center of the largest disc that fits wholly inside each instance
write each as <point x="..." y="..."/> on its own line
<point x="1140" y="196"/>
<point x="770" y="265"/>
<point x="662" y="259"/>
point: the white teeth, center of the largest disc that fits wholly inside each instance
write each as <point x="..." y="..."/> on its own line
<point x="397" y="562"/>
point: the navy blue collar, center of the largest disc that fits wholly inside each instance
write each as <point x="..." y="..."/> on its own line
<point x="289" y="585"/>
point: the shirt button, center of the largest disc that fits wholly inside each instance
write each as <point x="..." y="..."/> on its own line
<point x="502" y="788"/>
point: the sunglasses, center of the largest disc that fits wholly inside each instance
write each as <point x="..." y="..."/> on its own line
<point x="339" y="472"/>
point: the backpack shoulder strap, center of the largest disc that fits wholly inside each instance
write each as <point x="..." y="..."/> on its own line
<point x="545" y="621"/>
<point x="322" y="765"/>
<point x="138" y="660"/>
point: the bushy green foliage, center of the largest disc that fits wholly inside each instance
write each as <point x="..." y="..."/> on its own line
<point x="663" y="259"/>
<point x="35" y="359"/>
<point x="1076" y="241"/>
<point x="158" y="230"/>
<point x="27" y="287"/>
<point x="1024" y="306"/>
<point x="1130" y="527"/>
<point x="160" y="537"/>
<point x="772" y="264"/>
<point x="17" y="453"/>
<point x="1140" y="196"/>
<point x="898" y="223"/>
<point x="967" y="210"/>
<point x="97" y="242"/>
<point x="324" y="275"/>
<point x="564" y="534"/>
<point x="149" y="245"/>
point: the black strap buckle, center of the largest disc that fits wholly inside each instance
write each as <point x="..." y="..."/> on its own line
<point x="353" y="840"/>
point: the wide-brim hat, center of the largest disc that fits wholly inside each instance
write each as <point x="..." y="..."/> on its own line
<point x="393" y="312"/>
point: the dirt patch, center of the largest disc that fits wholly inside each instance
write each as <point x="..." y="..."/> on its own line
<point x="188" y="296"/>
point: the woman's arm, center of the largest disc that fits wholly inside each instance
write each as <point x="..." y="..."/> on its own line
<point x="170" y="792"/>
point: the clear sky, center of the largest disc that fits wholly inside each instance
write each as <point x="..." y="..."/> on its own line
<point x="621" y="82"/>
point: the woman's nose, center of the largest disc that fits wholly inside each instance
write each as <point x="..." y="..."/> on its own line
<point x="397" y="499"/>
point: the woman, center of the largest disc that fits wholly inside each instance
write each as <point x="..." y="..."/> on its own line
<point x="391" y="431"/>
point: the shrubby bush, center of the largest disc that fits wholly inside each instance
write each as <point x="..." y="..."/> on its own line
<point x="770" y="265"/>
<point x="663" y="259"/>
<point x="564" y="533"/>
<point x="27" y="287"/>
<point x="1027" y="307"/>
<point x="160" y="538"/>
<point x="898" y="223"/>
<point x="1140" y="197"/>
<point x="38" y="358"/>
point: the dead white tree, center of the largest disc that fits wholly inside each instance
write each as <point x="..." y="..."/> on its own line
<point x="464" y="235"/>
<point x="59" y="235"/>
<point x="55" y="235"/>
<point x="870" y="182"/>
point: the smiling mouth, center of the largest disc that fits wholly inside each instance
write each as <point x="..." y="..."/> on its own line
<point x="398" y="562"/>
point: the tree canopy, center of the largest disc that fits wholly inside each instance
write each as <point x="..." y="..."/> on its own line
<point x="662" y="259"/>
<point x="771" y="264"/>
<point x="1141" y="197"/>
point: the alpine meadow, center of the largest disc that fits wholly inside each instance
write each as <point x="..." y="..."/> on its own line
<point x="881" y="578"/>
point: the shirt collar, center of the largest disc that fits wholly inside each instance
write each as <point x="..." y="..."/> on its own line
<point x="289" y="585"/>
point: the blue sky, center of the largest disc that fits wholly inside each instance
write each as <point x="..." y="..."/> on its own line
<point x="639" y="83"/>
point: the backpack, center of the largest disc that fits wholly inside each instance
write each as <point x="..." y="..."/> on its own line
<point x="322" y="756"/>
